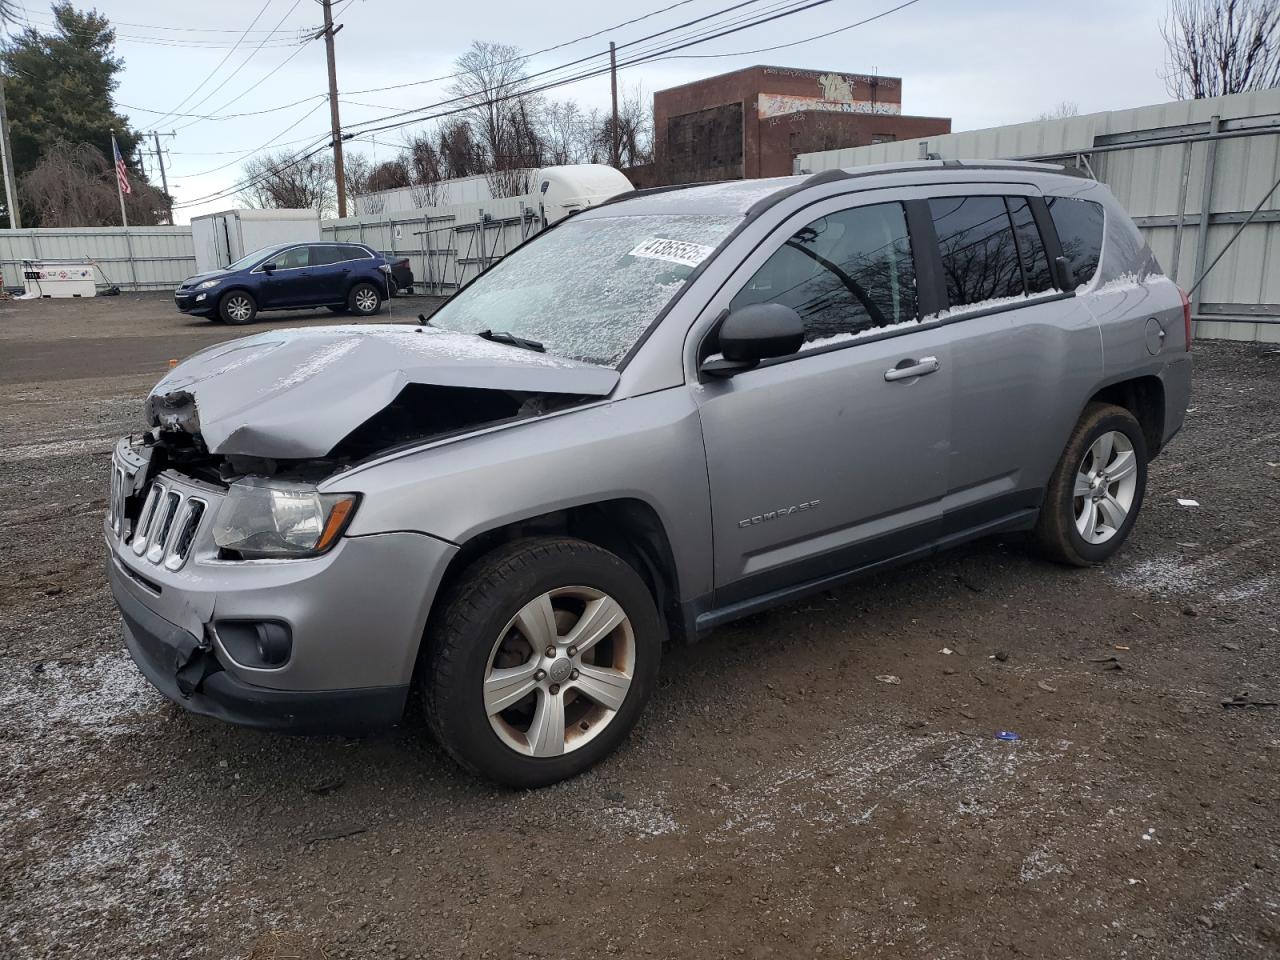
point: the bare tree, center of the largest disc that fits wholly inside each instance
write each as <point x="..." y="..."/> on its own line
<point x="74" y="185"/>
<point x="282" y="181"/>
<point x="423" y="158"/>
<point x="1063" y="111"/>
<point x="460" y="154"/>
<point x="490" y="78"/>
<point x="635" y="130"/>
<point x="1217" y="47"/>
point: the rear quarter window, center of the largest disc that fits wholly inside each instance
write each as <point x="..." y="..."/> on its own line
<point x="1079" y="224"/>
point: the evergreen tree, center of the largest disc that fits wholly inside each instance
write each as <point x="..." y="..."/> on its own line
<point x="59" y="88"/>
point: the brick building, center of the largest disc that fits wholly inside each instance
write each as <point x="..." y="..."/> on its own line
<point x="753" y="122"/>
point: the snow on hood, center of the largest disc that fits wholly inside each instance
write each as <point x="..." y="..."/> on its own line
<point x="294" y="394"/>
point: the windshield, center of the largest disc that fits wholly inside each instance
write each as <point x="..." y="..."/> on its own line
<point x="590" y="288"/>
<point x="250" y="258"/>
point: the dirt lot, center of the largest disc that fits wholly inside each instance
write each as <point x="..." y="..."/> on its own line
<point x="776" y="800"/>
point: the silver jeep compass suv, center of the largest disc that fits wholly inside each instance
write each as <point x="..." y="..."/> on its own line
<point x="668" y="411"/>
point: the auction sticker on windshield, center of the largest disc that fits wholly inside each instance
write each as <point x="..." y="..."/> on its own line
<point x="673" y="251"/>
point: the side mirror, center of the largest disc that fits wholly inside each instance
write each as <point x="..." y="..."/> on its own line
<point x="1066" y="276"/>
<point x="268" y="267"/>
<point x="751" y="334"/>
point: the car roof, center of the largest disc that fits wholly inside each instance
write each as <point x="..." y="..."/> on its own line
<point x="741" y="197"/>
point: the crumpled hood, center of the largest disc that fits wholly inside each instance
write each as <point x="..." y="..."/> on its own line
<point x="294" y="394"/>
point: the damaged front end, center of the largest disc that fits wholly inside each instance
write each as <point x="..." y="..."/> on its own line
<point x="225" y="526"/>
<point x="297" y="407"/>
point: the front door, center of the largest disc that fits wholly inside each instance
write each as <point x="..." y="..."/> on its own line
<point x="287" y="284"/>
<point x="835" y="457"/>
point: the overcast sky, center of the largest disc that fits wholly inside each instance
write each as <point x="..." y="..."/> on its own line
<point x="981" y="63"/>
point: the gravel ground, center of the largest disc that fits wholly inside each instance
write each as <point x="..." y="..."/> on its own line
<point x="775" y="800"/>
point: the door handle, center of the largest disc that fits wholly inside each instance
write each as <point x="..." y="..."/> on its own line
<point x="906" y="369"/>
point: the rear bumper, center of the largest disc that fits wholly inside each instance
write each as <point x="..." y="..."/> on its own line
<point x="1176" y="378"/>
<point x="188" y="672"/>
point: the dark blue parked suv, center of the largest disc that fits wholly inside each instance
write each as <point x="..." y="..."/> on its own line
<point x="289" y="276"/>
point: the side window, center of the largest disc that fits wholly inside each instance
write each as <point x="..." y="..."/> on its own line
<point x="323" y="254"/>
<point x="289" y="259"/>
<point x="845" y="274"/>
<point x="979" y="256"/>
<point x="1079" y="226"/>
<point x="350" y="252"/>
<point x="1035" y="261"/>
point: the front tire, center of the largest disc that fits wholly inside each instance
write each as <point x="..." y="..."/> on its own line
<point x="237" y="308"/>
<point x="365" y="299"/>
<point x="1096" y="490"/>
<point x="540" y="661"/>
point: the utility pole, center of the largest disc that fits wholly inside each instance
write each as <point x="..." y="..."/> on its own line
<point x="338" y="174"/>
<point x="164" y="180"/>
<point x="10" y="188"/>
<point x="613" y="90"/>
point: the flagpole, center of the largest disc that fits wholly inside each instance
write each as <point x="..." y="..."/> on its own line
<point x="124" y="220"/>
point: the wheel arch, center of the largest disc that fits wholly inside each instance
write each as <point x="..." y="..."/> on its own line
<point x="1144" y="398"/>
<point x="384" y="291"/>
<point x="625" y="526"/>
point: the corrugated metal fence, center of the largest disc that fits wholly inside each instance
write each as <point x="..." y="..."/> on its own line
<point x="1189" y="172"/>
<point x="446" y="246"/>
<point x="133" y="258"/>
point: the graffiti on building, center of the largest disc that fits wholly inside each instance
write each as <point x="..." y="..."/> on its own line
<point x="779" y="104"/>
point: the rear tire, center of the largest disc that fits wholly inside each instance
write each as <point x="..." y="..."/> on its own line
<point x="1096" y="491"/>
<point x="507" y="693"/>
<point x="365" y="300"/>
<point x="237" y="308"/>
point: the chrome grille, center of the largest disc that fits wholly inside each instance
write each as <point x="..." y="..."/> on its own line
<point x="115" y="505"/>
<point x="167" y="525"/>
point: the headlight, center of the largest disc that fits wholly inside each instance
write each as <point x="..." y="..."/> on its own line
<point x="266" y="518"/>
<point x="208" y="284"/>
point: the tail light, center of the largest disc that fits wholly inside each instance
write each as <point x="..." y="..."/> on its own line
<point x="1186" y="315"/>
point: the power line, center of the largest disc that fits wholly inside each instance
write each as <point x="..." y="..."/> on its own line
<point x="252" y="54"/>
<point x="286" y="38"/>
<point x="200" y="85"/>
<point x="582" y="60"/>
<point x="228" y="116"/>
<point x="217" y="112"/>
<point x="793" y="43"/>
<point x="788" y="7"/>
<point x="247" y="153"/>
<point x="770" y="14"/>
<point x="535" y="53"/>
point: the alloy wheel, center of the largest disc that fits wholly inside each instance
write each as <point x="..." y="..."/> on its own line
<point x="559" y="672"/>
<point x="1105" y="485"/>
<point x="366" y="300"/>
<point x="239" y="309"/>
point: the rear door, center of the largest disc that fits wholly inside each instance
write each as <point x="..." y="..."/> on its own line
<point x="330" y="269"/>
<point x="1023" y="352"/>
<point x="829" y="459"/>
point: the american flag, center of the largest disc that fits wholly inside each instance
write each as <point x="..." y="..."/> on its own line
<point x="122" y="172"/>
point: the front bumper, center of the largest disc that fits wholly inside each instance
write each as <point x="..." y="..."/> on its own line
<point x="189" y="673"/>
<point x="189" y="301"/>
<point x="355" y="615"/>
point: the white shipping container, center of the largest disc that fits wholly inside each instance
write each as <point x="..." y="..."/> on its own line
<point x="222" y="238"/>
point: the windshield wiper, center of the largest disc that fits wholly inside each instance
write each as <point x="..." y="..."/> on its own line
<point x="502" y="336"/>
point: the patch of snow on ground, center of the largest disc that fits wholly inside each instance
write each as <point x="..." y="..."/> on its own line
<point x="851" y="780"/>
<point x="94" y="865"/>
